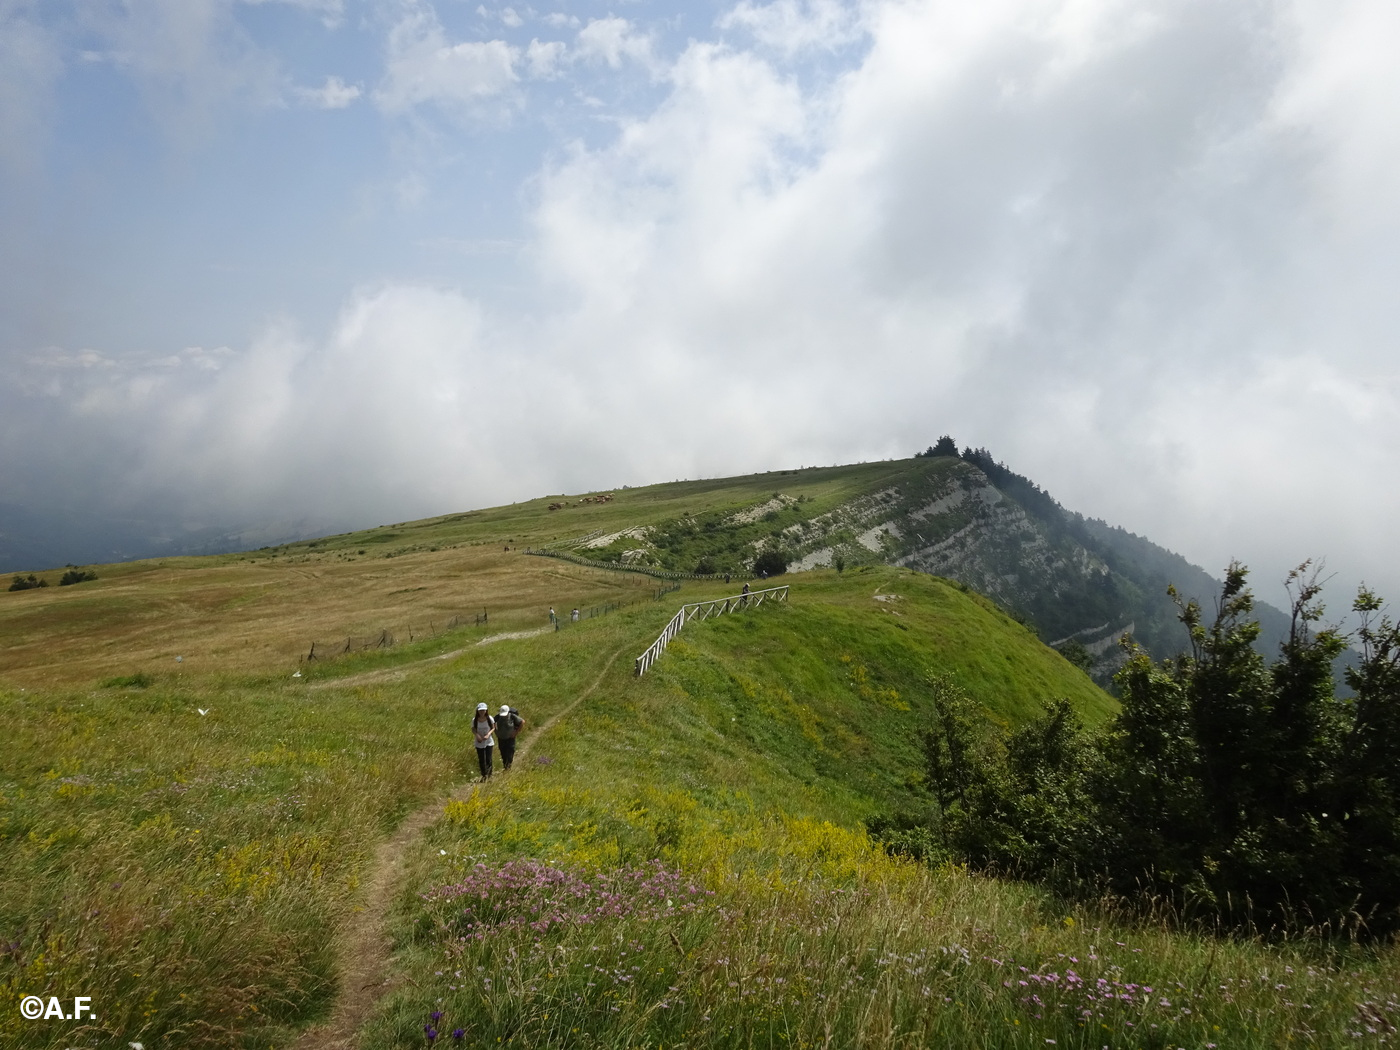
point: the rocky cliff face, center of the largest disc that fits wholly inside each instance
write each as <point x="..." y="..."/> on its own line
<point x="950" y="519"/>
<point x="966" y="518"/>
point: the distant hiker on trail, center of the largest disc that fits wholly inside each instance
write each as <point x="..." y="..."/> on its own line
<point x="726" y="578"/>
<point x="745" y="592"/>
<point x="574" y="617"/>
<point x="552" y="617"/>
<point x="483" y="726"/>
<point x="508" y="726"/>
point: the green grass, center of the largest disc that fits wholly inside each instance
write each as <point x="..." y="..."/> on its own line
<point x="186" y="870"/>
<point x="742" y="767"/>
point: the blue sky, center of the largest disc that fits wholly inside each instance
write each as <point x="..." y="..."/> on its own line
<point x="346" y="261"/>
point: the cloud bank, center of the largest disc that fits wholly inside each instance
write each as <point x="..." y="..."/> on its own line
<point x="1145" y="251"/>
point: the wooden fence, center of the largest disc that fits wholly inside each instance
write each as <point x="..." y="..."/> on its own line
<point x="703" y="611"/>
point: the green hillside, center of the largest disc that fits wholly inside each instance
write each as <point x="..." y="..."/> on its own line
<point x="221" y="851"/>
<point x="965" y="517"/>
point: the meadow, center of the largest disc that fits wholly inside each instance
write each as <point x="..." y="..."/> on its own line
<point x="677" y="860"/>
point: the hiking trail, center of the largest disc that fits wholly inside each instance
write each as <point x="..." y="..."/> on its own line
<point x="394" y="674"/>
<point x="364" y="947"/>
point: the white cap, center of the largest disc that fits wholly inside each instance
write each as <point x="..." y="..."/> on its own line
<point x="505" y="709"/>
<point x="481" y="707"/>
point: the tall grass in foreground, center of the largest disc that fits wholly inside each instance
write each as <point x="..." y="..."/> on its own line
<point x="554" y="908"/>
<point x="184" y="852"/>
<point x="750" y="930"/>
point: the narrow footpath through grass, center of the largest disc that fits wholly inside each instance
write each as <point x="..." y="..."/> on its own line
<point x="364" y="947"/>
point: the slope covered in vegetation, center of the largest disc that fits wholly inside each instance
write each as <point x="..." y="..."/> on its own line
<point x="184" y="841"/>
<point x="684" y="865"/>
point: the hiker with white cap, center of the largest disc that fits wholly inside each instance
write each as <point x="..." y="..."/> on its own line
<point x="508" y="726"/>
<point x="483" y="727"/>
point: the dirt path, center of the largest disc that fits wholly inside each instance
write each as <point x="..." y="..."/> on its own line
<point x="365" y="945"/>
<point x="394" y="674"/>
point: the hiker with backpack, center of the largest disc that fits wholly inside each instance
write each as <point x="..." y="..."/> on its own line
<point x="484" y="728"/>
<point x="508" y="726"/>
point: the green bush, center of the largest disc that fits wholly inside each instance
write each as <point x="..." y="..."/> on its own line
<point x="771" y="563"/>
<point x="1240" y="791"/>
<point x="27" y="583"/>
<point x="73" y="576"/>
<point x="1075" y="653"/>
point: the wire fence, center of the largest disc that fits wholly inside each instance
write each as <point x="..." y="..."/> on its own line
<point x="385" y="639"/>
<point x="660" y="574"/>
<point x="703" y="611"/>
<point x="580" y="614"/>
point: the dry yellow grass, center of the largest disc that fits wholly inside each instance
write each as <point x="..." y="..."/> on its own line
<point x="251" y="614"/>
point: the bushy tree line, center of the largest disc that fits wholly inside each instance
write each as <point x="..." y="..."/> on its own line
<point x="1243" y="790"/>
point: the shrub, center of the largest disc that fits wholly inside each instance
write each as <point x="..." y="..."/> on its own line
<point x="771" y="563"/>
<point x="1075" y="653"/>
<point x="73" y="576"/>
<point x="27" y="583"/>
<point x="1235" y="789"/>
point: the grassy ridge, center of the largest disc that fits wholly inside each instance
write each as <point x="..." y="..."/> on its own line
<point x="684" y="866"/>
<point x="185" y="870"/>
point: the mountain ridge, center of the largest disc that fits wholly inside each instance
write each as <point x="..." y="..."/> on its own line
<point x="1079" y="581"/>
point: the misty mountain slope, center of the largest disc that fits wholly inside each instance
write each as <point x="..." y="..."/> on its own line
<point x="966" y="517"/>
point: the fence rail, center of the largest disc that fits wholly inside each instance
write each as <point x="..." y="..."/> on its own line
<point x="703" y="611"/>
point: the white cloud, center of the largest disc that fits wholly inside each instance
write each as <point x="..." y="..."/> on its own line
<point x="1144" y="250"/>
<point x="510" y="18"/>
<point x="423" y="67"/>
<point x="792" y="26"/>
<point x="1043" y="227"/>
<point x="334" y="94"/>
<point x="544" y="59"/>
<point x="1342" y="89"/>
<point x="612" y="39"/>
<point x="561" y="20"/>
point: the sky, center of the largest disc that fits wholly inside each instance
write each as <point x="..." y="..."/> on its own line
<point x="358" y="261"/>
